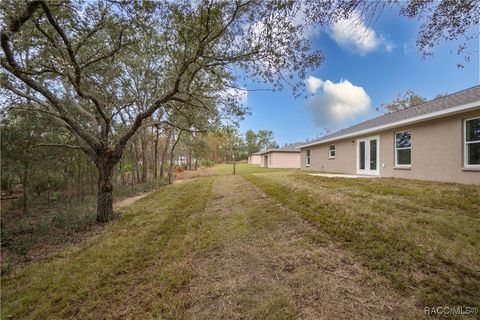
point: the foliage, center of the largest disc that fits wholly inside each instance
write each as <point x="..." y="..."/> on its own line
<point x="404" y="100"/>
<point x="262" y="140"/>
<point x="266" y="140"/>
<point x="51" y="223"/>
<point x="207" y="163"/>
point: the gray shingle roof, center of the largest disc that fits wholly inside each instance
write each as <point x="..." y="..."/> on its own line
<point x="293" y="147"/>
<point x="466" y="96"/>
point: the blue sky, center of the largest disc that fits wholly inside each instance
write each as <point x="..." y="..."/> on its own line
<point x="378" y="70"/>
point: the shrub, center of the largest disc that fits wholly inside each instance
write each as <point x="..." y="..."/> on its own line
<point x="207" y="163"/>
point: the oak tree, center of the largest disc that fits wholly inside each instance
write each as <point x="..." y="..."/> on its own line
<point x="80" y="54"/>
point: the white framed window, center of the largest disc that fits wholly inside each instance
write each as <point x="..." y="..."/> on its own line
<point x="403" y="148"/>
<point x="331" y="151"/>
<point x="472" y="143"/>
<point x="307" y="158"/>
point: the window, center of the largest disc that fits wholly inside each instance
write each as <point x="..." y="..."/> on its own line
<point x="331" y="151"/>
<point x="403" y="148"/>
<point x="472" y="143"/>
<point x="307" y="159"/>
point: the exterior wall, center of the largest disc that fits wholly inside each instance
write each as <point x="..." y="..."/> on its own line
<point x="437" y="152"/>
<point x="255" y="159"/>
<point x="281" y="160"/>
<point x="344" y="161"/>
<point x="264" y="160"/>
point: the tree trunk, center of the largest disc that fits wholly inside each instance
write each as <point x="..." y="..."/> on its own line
<point x="164" y="154"/>
<point x="189" y="158"/>
<point x="82" y="180"/>
<point x="26" y="185"/>
<point x="170" y="169"/>
<point x="172" y="156"/>
<point x="155" y="154"/>
<point x="122" y="173"/>
<point x="135" y="170"/>
<point x="144" y="146"/>
<point x="133" y="161"/>
<point x="104" y="191"/>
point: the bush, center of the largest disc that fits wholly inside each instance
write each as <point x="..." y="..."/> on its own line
<point x="207" y="163"/>
<point x="72" y="220"/>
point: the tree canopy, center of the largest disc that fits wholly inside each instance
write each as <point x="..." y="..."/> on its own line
<point x="104" y="70"/>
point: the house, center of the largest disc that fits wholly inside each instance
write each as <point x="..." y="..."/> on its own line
<point x="255" y="158"/>
<point x="285" y="157"/>
<point x="437" y="140"/>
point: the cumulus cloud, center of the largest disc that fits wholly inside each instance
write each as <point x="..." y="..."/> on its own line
<point x="337" y="103"/>
<point x="354" y="35"/>
<point x="313" y="84"/>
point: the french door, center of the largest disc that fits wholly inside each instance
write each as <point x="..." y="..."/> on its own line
<point x="368" y="156"/>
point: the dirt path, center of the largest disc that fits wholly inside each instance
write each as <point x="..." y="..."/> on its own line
<point x="270" y="264"/>
<point x="130" y="200"/>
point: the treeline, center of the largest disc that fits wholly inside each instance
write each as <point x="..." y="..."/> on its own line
<point x="39" y="160"/>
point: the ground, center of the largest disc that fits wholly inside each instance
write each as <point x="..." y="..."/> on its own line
<point x="266" y="244"/>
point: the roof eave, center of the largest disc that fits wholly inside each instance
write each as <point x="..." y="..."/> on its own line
<point x="430" y="116"/>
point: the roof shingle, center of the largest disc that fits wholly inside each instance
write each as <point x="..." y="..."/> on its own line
<point x="293" y="147"/>
<point x="466" y="96"/>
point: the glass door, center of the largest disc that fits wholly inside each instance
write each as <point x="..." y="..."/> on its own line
<point x="368" y="156"/>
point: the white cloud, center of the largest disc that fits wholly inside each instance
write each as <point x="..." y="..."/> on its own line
<point x="338" y="103"/>
<point x="354" y="35"/>
<point x="313" y="84"/>
<point x="389" y="46"/>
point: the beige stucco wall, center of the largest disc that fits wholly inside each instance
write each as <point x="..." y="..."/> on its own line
<point x="282" y="160"/>
<point x="255" y="159"/>
<point x="437" y="152"/>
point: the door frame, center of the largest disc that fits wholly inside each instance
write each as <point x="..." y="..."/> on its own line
<point x="367" y="156"/>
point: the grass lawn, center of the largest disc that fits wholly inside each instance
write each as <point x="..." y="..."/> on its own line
<point x="52" y="221"/>
<point x="266" y="244"/>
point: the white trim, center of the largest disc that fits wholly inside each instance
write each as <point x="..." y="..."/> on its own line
<point x="465" y="149"/>
<point x="330" y="151"/>
<point x="397" y="165"/>
<point x="424" y="117"/>
<point x="367" y="156"/>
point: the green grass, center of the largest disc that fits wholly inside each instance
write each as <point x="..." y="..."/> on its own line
<point x="422" y="236"/>
<point x="243" y="169"/>
<point x="136" y="266"/>
<point x="218" y="247"/>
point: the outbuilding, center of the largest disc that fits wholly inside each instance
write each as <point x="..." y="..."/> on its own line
<point x="285" y="157"/>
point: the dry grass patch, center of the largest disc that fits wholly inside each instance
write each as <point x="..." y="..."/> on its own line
<point x="268" y="263"/>
<point x="422" y="236"/>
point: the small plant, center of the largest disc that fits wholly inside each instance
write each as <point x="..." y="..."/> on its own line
<point x="6" y="266"/>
